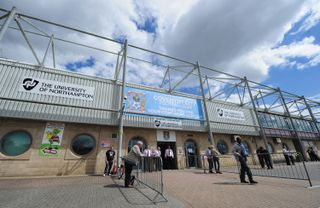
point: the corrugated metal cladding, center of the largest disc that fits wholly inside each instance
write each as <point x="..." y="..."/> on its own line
<point x="102" y="110"/>
<point x="248" y="126"/>
<point x="46" y="107"/>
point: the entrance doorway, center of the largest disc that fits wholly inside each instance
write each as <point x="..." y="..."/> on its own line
<point x="166" y="163"/>
<point x="191" y="153"/>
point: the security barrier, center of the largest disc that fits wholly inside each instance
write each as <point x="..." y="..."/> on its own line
<point x="271" y="165"/>
<point x="148" y="173"/>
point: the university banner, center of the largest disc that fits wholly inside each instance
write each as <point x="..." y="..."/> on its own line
<point x="55" y="88"/>
<point x="52" y="140"/>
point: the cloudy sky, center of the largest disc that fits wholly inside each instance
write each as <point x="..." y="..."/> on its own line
<point x="274" y="42"/>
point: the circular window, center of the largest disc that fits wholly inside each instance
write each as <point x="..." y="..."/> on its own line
<point x="270" y="148"/>
<point x="246" y="147"/>
<point x="222" y="147"/>
<point x="83" y="144"/>
<point x="15" y="143"/>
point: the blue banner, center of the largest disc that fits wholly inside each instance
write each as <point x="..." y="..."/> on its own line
<point x="155" y="103"/>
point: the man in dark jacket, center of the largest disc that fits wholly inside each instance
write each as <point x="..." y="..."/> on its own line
<point x="241" y="155"/>
<point x="109" y="161"/>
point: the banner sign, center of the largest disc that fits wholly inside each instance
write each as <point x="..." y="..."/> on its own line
<point x="167" y="123"/>
<point x="155" y="103"/>
<point x="230" y="114"/>
<point x="52" y="140"/>
<point x="54" y="88"/>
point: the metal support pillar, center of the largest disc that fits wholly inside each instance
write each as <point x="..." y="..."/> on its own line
<point x="311" y="114"/>
<point x="7" y="22"/>
<point x="262" y="134"/>
<point x="292" y="124"/>
<point x="122" y="106"/>
<point x="205" y="107"/>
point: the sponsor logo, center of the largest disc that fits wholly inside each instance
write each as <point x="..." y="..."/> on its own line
<point x="220" y="112"/>
<point x="29" y="84"/>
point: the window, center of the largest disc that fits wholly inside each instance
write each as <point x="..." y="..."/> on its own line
<point x="83" y="144"/>
<point x="247" y="147"/>
<point x="15" y="143"/>
<point x="270" y="148"/>
<point x="222" y="147"/>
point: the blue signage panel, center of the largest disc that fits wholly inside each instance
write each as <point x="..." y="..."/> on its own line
<point x="155" y="103"/>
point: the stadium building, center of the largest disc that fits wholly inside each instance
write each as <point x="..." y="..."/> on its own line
<point x="60" y="122"/>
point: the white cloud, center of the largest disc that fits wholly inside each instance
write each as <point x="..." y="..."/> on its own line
<point x="239" y="38"/>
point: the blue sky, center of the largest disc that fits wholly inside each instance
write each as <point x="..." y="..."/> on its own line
<point x="291" y="78"/>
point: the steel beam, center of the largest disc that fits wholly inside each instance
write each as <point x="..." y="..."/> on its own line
<point x="5" y="26"/>
<point x="27" y="40"/>
<point x="292" y="124"/>
<point x="262" y="133"/>
<point x="205" y="107"/>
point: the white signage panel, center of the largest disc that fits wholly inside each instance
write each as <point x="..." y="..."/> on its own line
<point x="55" y="88"/>
<point x="166" y="136"/>
<point x="167" y="124"/>
<point x="230" y="114"/>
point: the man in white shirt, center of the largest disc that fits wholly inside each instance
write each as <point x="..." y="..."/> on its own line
<point x="169" y="157"/>
<point x="146" y="159"/>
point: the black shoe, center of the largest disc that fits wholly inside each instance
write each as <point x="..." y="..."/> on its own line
<point x="244" y="182"/>
<point x="252" y="182"/>
<point x="219" y="172"/>
<point x="210" y="171"/>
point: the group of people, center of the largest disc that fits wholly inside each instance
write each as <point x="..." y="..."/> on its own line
<point x="264" y="158"/>
<point x="240" y="154"/>
<point x="213" y="159"/>
<point x="135" y="156"/>
<point x="287" y="155"/>
<point x="312" y="154"/>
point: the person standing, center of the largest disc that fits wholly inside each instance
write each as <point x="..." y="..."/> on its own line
<point x="267" y="158"/>
<point x="287" y="155"/>
<point x="241" y="155"/>
<point x="157" y="157"/>
<point x="147" y="159"/>
<point x="169" y="156"/>
<point x="261" y="156"/>
<point x="132" y="159"/>
<point x="109" y="161"/>
<point x="209" y="154"/>
<point x="216" y="161"/>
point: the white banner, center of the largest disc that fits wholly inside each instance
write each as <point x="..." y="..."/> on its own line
<point x="230" y="114"/>
<point x="54" y="88"/>
<point x="167" y="124"/>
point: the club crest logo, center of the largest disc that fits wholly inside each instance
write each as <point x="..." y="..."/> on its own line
<point x="29" y="84"/>
<point x="137" y="102"/>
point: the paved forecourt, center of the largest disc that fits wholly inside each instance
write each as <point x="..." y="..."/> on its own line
<point x="188" y="188"/>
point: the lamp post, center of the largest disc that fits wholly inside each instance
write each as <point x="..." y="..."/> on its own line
<point x="123" y="104"/>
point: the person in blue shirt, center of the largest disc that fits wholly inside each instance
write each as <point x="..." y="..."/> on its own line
<point x="241" y="155"/>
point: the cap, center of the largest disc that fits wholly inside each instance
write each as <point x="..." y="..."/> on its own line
<point x="140" y="142"/>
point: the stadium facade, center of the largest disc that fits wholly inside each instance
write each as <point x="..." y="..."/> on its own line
<point x="58" y="122"/>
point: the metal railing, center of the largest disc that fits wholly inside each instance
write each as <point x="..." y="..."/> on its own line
<point x="273" y="165"/>
<point x="148" y="173"/>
